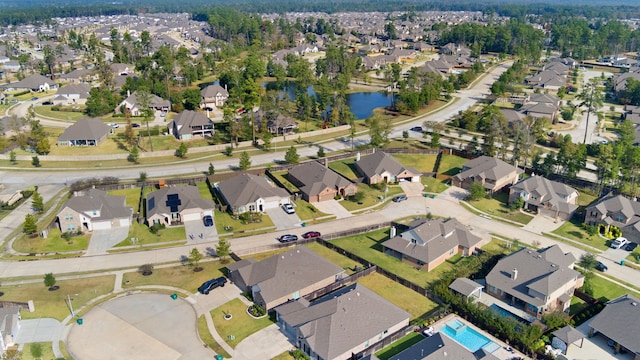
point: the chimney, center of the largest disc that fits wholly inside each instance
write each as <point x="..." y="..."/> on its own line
<point x="514" y="274"/>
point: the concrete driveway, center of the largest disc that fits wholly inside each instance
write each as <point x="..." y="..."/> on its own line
<point x="541" y="223"/>
<point x="615" y="255"/>
<point x="282" y="220"/>
<point x="103" y="240"/>
<point x="332" y="207"/>
<point x="39" y="330"/>
<point x="411" y="188"/>
<point x="142" y="326"/>
<point x="265" y="344"/>
<point x="198" y="233"/>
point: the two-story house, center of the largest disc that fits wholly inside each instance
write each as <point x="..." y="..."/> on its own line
<point x="616" y="211"/>
<point x="493" y="174"/>
<point x="546" y="197"/>
<point x="213" y="96"/>
<point x="190" y="124"/>
<point x="94" y="210"/>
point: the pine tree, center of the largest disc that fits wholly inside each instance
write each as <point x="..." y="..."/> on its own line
<point x="30" y="226"/>
<point x="212" y="170"/>
<point x="37" y="203"/>
<point x="134" y="154"/>
<point x="292" y="156"/>
<point x="223" y="249"/>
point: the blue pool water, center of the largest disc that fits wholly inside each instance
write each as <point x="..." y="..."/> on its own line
<point x="468" y="337"/>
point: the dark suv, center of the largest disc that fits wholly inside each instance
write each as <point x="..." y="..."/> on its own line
<point x="212" y="284"/>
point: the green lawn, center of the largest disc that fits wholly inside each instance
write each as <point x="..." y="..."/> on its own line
<point x="335" y="257"/>
<point x="422" y="162"/>
<point x="399" y="345"/>
<point x="241" y="324"/>
<point x="47" y="351"/>
<point x="585" y="199"/>
<point x="51" y="244"/>
<point x="180" y="276"/>
<point x="207" y="338"/>
<point x="497" y="206"/>
<point x="345" y="168"/>
<point x="204" y="190"/>
<point x="577" y="305"/>
<point x="284" y="356"/>
<point x="573" y="230"/>
<point x="433" y="185"/>
<point x="54" y="304"/>
<point x="372" y="196"/>
<point x="282" y="176"/>
<point x="451" y="164"/>
<point x="403" y="297"/>
<point x="145" y="237"/>
<point x="606" y="290"/>
<point x="46" y="111"/>
<point x="132" y="196"/>
<point x="308" y="212"/>
<point x="223" y="219"/>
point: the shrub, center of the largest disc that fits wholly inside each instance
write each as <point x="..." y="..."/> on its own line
<point x="257" y="311"/>
<point x="156" y="227"/>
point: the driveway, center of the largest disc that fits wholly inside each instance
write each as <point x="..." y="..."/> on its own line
<point x="615" y="255"/>
<point x="265" y="344"/>
<point x="332" y="207"/>
<point x="411" y="188"/>
<point x="142" y="326"/>
<point x="103" y="240"/>
<point x="541" y="223"/>
<point x="454" y="194"/>
<point x="39" y="330"/>
<point x="217" y="297"/>
<point x="198" y="233"/>
<point x="282" y="220"/>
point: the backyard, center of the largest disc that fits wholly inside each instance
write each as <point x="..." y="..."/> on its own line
<point x="408" y="300"/>
<point x="240" y="326"/>
<point x="450" y="165"/>
<point x="181" y="276"/>
<point x="345" y="167"/>
<point x="422" y="162"/>
<point x="131" y="196"/>
<point x="398" y="346"/>
<point x="497" y="206"/>
<point x="344" y="262"/>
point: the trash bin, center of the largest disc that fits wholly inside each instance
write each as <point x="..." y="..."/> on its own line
<point x="79" y="321"/>
<point x="304" y="224"/>
<point x="622" y="262"/>
<point x="219" y="357"/>
<point x="174" y="296"/>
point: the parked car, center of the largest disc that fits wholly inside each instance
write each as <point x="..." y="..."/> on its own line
<point x="619" y="243"/>
<point x="630" y="246"/>
<point x="400" y="198"/>
<point x="212" y="284"/>
<point x="113" y="125"/>
<point x="311" y="234"/>
<point x="601" y="267"/>
<point x="35" y="98"/>
<point x="208" y="220"/>
<point x="288" y="208"/>
<point x="135" y="125"/>
<point x="416" y="129"/>
<point x="288" y="238"/>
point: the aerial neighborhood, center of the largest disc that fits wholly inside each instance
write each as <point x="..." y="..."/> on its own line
<point x="321" y="180"/>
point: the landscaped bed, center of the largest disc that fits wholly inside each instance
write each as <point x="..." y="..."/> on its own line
<point x="240" y="326"/>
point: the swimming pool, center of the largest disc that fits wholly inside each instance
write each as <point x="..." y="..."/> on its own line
<point x="468" y="337"/>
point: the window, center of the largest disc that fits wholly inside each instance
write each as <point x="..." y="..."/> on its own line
<point x="619" y="218"/>
<point x="366" y="343"/>
<point x="451" y="251"/>
<point x="534" y="196"/>
<point x="95" y="213"/>
<point x="593" y="213"/>
<point x="296" y="295"/>
<point x="71" y="227"/>
<point x="68" y="217"/>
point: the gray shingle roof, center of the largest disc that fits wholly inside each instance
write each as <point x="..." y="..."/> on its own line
<point x="316" y="177"/>
<point x="544" y="271"/>
<point x="486" y="167"/>
<point x="342" y="320"/>
<point x="568" y="334"/>
<point x="618" y="203"/>
<point x="154" y="101"/>
<point x="187" y="120"/>
<point x="213" y="90"/>
<point x="620" y="321"/>
<point x="189" y="197"/>
<point x="465" y="286"/>
<point x="85" y="129"/>
<point x="32" y="82"/>
<point x="73" y="89"/>
<point x="438" y="347"/>
<point x="550" y="192"/>
<point x="110" y="207"/>
<point x="246" y="188"/>
<point x="379" y="162"/>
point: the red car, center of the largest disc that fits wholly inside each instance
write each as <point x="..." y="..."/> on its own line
<point x="311" y="234"/>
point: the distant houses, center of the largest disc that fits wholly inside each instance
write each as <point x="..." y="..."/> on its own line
<point x="618" y="211"/>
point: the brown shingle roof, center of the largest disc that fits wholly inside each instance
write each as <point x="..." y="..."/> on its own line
<point x="85" y="129"/>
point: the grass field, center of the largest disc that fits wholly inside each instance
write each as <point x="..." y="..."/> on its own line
<point x="53" y="304"/>
<point x="181" y="276"/>
<point x="46" y="111"/>
<point x="573" y="230"/>
<point x="433" y="185"/>
<point x="223" y="219"/>
<point x="345" y="168"/>
<point x="47" y="351"/>
<point x="372" y="196"/>
<point x="497" y="206"/>
<point x="145" y="237"/>
<point x="344" y="262"/>
<point x="51" y="244"/>
<point x="308" y="212"/>
<point x="606" y="290"/>
<point x="403" y="297"/>
<point x="241" y="324"/>
<point x="282" y="177"/>
<point x="204" y="190"/>
<point x="451" y="164"/>
<point x="132" y="196"/>
<point x="424" y="163"/>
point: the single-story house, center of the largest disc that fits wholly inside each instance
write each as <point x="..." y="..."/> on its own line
<point x="213" y="96"/>
<point x="74" y="94"/>
<point x="429" y="243"/>
<point x="494" y="174"/>
<point x="175" y="205"/>
<point x="319" y="183"/>
<point x="133" y="104"/>
<point x="34" y="83"/>
<point x="85" y="132"/>
<point x="547" y="197"/>
<point x="341" y="323"/>
<point x="616" y="211"/>
<point x="94" y="210"/>
<point x="284" y="277"/>
<point x="538" y="282"/>
<point x="619" y="322"/>
<point x="381" y="167"/>
<point x="9" y="327"/>
<point x="251" y="193"/>
<point x="189" y="124"/>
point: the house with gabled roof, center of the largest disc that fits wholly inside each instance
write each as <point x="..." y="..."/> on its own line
<point x="340" y="324"/>
<point x="9" y="327"/>
<point x="34" y="83"/>
<point x="175" y="205"/>
<point x="381" y="167"/>
<point x="494" y="174"/>
<point x="319" y="183"/>
<point x="94" y="210"/>
<point x="85" y="132"/>
<point x="537" y="282"/>
<point x="546" y="197"/>
<point x="616" y="211"/>
<point x="251" y="193"/>
<point x="190" y="124"/>
<point x="133" y="104"/>
<point x="619" y="322"/>
<point x="429" y="243"/>
<point x="213" y="96"/>
<point x="284" y="277"/>
<point x="439" y="347"/>
<point x="73" y="94"/>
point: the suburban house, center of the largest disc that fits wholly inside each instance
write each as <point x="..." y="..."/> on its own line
<point x="175" y="205"/>
<point x="85" y="132"/>
<point x="319" y="183"/>
<point x="189" y="124"/>
<point x="74" y="94"/>
<point x="35" y="83"/>
<point x="494" y="174"/>
<point x="120" y="69"/>
<point x="428" y="243"/>
<point x="94" y="210"/>
<point x="340" y="324"/>
<point x="619" y="322"/>
<point x="381" y="167"/>
<point x="213" y="96"/>
<point x="133" y="104"/>
<point x="79" y="76"/>
<point x="616" y="211"/>
<point x="251" y="193"/>
<point x="438" y="347"/>
<point x="284" y="277"/>
<point x="9" y="326"/>
<point x="537" y="282"/>
<point x="546" y="197"/>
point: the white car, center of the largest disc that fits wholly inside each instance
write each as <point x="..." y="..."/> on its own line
<point x="113" y="125"/>
<point x="619" y="243"/>
<point x="288" y="208"/>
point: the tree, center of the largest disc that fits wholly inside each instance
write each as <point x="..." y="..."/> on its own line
<point x="35" y="161"/>
<point x="592" y="98"/>
<point x="129" y="134"/>
<point x="223" y="249"/>
<point x="588" y="261"/>
<point x="49" y="280"/>
<point x="37" y="203"/>
<point x="476" y="191"/>
<point x="292" y="156"/>
<point x="12" y="157"/>
<point x="245" y="161"/>
<point x="321" y="153"/>
<point x="212" y="170"/>
<point x="43" y="147"/>
<point x="146" y="269"/>
<point x="142" y="177"/>
<point x="101" y="101"/>
<point x="192" y="99"/>
<point x="194" y="259"/>
<point x="555" y="320"/>
<point x="266" y="140"/>
<point x="181" y="152"/>
<point x="30" y="227"/>
<point x="134" y="154"/>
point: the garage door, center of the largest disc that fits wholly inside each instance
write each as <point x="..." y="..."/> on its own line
<point x="101" y="225"/>
<point x="191" y="217"/>
<point x="125" y="222"/>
